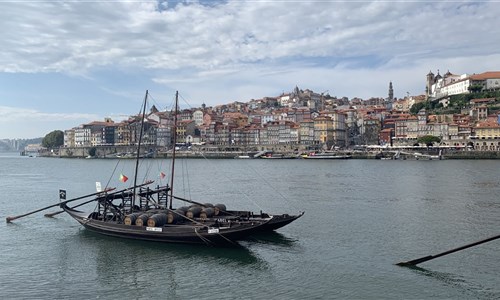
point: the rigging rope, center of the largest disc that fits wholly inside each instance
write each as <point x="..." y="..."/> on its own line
<point x="270" y="186"/>
<point x="112" y="175"/>
<point x="230" y="180"/>
<point x="207" y="241"/>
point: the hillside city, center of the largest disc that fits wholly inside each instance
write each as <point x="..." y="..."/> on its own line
<point x="462" y="111"/>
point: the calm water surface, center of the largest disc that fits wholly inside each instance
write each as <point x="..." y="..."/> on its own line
<point x="362" y="216"/>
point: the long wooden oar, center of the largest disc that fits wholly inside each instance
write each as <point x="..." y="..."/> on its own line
<point x="61" y="211"/>
<point x="10" y="219"/>
<point x="189" y="201"/>
<point x="429" y="257"/>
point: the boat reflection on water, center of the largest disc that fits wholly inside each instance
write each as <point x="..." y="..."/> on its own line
<point x="468" y="288"/>
<point x="157" y="251"/>
<point x="272" y="237"/>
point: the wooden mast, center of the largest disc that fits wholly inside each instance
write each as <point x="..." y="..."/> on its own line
<point x="173" y="149"/>
<point x="138" y="155"/>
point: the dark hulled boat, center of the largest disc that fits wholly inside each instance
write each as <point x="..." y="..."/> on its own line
<point x="152" y="221"/>
<point x="210" y="233"/>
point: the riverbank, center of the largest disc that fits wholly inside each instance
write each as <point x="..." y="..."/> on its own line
<point x="149" y="152"/>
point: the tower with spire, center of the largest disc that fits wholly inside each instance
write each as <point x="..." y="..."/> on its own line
<point x="391" y="92"/>
<point x="429" y="83"/>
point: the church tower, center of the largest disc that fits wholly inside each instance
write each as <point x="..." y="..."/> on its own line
<point x="430" y="82"/>
<point x="391" y="92"/>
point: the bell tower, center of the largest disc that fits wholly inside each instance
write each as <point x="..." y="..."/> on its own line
<point x="391" y="92"/>
<point x="430" y="82"/>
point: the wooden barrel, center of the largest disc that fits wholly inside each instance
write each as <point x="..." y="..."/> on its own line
<point x="219" y="209"/>
<point x="184" y="208"/>
<point x="157" y="220"/>
<point x="130" y="219"/>
<point x="207" y="212"/>
<point x="173" y="217"/>
<point x="142" y="220"/>
<point x="193" y="212"/>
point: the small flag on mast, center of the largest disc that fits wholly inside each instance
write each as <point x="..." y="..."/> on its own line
<point x="123" y="178"/>
<point x="98" y="187"/>
<point x="162" y="175"/>
<point x="62" y="194"/>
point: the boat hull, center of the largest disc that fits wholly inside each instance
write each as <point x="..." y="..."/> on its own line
<point x="279" y="221"/>
<point x="328" y="157"/>
<point x="227" y="234"/>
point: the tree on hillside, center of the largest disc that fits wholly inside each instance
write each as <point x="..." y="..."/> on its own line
<point x="415" y="108"/>
<point x="92" y="151"/>
<point x="475" y="88"/>
<point x="428" y="140"/>
<point x="53" y="139"/>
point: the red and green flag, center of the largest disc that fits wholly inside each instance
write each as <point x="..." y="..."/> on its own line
<point x="123" y="178"/>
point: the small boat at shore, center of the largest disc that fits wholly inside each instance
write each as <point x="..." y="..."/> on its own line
<point x="326" y="155"/>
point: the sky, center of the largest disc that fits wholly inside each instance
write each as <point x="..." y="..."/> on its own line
<point x="67" y="63"/>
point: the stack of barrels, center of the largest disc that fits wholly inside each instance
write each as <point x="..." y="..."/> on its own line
<point x="138" y="218"/>
<point x="193" y="211"/>
<point x="142" y="219"/>
<point x="130" y="219"/>
<point x="219" y="209"/>
<point x="206" y="212"/>
<point x="159" y="219"/>
<point x="176" y="215"/>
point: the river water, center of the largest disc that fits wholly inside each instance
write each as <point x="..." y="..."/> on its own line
<point x="361" y="217"/>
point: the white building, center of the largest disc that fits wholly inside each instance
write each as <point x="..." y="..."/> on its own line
<point x="198" y="117"/>
<point x="450" y="84"/>
<point x="83" y="136"/>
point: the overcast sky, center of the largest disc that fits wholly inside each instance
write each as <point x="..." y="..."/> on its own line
<point x="65" y="63"/>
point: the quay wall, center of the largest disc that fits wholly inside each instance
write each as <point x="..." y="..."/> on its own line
<point x="130" y="152"/>
<point x="151" y="151"/>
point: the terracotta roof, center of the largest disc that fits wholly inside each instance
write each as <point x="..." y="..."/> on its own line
<point x="482" y="100"/>
<point x="486" y="75"/>
<point x="488" y="124"/>
<point x="100" y="123"/>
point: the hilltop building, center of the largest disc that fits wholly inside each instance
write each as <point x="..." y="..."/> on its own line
<point x="438" y="87"/>
<point x="304" y="119"/>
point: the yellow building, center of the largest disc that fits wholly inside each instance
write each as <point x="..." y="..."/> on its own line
<point x="323" y="131"/>
<point x="487" y="136"/>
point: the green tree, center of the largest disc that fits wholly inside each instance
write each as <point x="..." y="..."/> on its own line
<point x="428" y="140"/>
<point x="92" y="151"/>
<point x="415" y="108"/>
<point x="53" y="139"/>
<point x="475" y="88"/>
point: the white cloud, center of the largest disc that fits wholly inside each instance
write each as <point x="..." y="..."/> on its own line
<point x="33" y="123"/>
<point x="238" y="50"/>
<point x="77" y="36"/>
<point x="8" y="114"/>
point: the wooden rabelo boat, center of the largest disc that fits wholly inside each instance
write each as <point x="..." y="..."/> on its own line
<point x="146" y="213"/>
